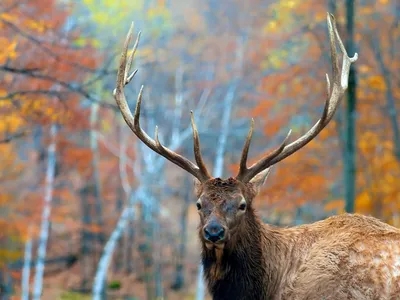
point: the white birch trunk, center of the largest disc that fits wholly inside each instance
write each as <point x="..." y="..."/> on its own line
<point x="45" y="223"/>
<point x="94" y="113"/>
<point x="27" y="267"/>
<point x="105" y="258"/>
<point x="104" y="262"/>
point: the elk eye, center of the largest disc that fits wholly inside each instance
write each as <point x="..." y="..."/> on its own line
<point x="198" y="205"/>
<point x="242" y="206"/>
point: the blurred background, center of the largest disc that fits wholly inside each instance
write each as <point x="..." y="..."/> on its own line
<point x="88" y="212"/>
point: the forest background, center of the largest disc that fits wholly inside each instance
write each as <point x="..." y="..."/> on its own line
<point x="86" y="211"/>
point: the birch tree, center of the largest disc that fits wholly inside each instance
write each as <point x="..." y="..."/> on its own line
<point x="26" y="271"/>
<point x="94" y="112"/>
<point x="45" y="222"/>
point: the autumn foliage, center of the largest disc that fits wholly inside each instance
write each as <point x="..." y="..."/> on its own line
<point x="58" y="67"/>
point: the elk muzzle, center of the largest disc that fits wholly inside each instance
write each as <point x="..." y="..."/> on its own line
<point x="214" y="232"/>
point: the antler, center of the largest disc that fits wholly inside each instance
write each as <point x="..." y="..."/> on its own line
<point x="133" y="121"/>
<point x="340" y="83"/>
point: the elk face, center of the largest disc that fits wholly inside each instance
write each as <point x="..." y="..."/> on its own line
<point x="222" y="206"/>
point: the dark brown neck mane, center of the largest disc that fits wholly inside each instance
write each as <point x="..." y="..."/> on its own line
<point x="239" y="270"/>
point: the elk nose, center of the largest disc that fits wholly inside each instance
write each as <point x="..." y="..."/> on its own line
<point x="214" y="232"/>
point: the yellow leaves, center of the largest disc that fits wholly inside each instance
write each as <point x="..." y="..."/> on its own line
<point x="286" y="5"/>
<point x="376" y="82"/>
<point x="378" y="175"/>
<point x="364" y="69"/>
<point x="276" y="59"/>
<point x="368" y="139"/>
<point x="290" y="4"/>
<point x="271" y="26"/>
<point x="363" y="203"/>
<point x="82" y="42"/>
<point x="101" y="17"/>
<point x="110" y="14"/>
<point x="9" y="255"/>
<point x="8" y="51"/>
<point x="367" y="10"/>
<point x="4" y="199"/>
<point x="320" y="16"/>
<point x="8" y="17"/>
<point x="283" y="20"/>
<point x="36" y="25"/>
<point x="10" y="121"/>
<point x="105" y="126"/>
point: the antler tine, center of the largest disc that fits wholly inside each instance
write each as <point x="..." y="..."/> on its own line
<point x="133" y="121"/>
<point x="340" y="83"/>
<point x="196" y="147"/>
<point x="245" y="151"/>
<point x="248" y="173"/>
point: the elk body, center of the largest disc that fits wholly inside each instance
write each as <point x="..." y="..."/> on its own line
<point x="342" y="257"/>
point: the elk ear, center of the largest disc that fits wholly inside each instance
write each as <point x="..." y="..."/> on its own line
<point x="198" y="187"/>
<point x="260" y="179"/>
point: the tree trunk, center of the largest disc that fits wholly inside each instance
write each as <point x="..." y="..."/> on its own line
<point x="350" y="145"/>
<point x="86" y="238"/>
<point x="45" y="223"/>
<point x="119" y="252"/>
<point x="130" y="232"/>
<point x="27" y="268"/>
<point x="96" y="174"/>
<point x="101" y="274"/>
<point x="145" y="248"/>
<point x="179" y="281"/>
<point x="158" y="279"/>
<point x="129" y="246"/>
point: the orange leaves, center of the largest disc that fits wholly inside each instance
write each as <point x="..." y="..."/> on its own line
<point x="376" y="82"/>
<point x="42" y="68"/>
<point x="38" y="26"/>
<point x="378" y="175"/>
<point x="49" y="62"/>
<point x="364" y="203"/>
<point x="11" y="121"/>
<point x="8" y="51"/>
<point x="296" y="94"/>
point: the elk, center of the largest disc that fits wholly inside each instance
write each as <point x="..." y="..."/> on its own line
<point x="348" y="256"/>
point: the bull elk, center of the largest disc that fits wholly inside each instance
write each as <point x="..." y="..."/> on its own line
<point x="342" y="257"/>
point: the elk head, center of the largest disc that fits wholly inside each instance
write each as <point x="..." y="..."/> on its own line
<point x="224" y="205"/>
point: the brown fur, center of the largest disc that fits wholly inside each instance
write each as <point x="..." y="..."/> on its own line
<point x="342" y="257"/>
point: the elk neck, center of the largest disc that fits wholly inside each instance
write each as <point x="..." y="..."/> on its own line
<point x="250" y="264"/>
